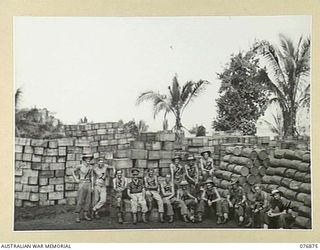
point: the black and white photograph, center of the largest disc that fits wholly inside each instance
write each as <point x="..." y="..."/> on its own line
<point x="189" y="122"/>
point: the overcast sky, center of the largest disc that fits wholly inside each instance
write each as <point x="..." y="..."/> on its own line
<point x="97" y="67"/>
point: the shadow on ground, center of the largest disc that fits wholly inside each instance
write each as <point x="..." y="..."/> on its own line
<point x="63" y="218"/>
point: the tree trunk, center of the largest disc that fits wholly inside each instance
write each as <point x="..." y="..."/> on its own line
<point x="289" y="122"/>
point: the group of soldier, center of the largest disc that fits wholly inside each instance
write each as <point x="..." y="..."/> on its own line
<point x="188" y="190"/>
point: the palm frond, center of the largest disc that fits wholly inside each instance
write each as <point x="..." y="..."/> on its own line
<point x="159" y="106"/>
<point x="197" y="88"/>
<point x="274" y="66"/>
<point x="175" y="92"/>
<point x="186" y="91"/>
<point x="148" y="96"/>
<point x="287" y="46"/>
<point x="264" y="78"/>
<point x="17" y="97"/>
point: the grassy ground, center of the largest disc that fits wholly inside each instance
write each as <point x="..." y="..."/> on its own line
<point x="63" y="218"/>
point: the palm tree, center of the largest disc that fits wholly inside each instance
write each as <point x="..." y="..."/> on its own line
<point x="176" y="101"/>
<point x="287" y="71"/>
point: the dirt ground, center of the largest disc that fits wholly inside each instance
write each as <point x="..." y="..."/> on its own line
<point x="62" y="217"/>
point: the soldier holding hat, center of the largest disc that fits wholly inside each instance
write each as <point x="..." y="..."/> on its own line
<point x="137" y="193"/>
<point x="206" y="165"/>
<point x="153" y="191"/>
<point x="100" y="190"/>
<point x="256" y="207"/>
<point x="280" y="212"/>
<point x="119" y="186"/>
<point x="236" y="199"/>
<point x="169" y="198"/>
<point x="209" y="197"/>
<point x="85" y="181"/>
<point x="177" y="171"/>
<point x="189" y="200"/>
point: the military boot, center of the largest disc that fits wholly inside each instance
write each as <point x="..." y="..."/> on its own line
<point x="144" y="218"/>
<point x="120" y="220"/>
<point x="86" y="216"/>
<point x="171" y="219"/>
<point x="249" y="224"/>
<point x="219" y="220"/>
<point x="185" y="219"/>
<point x="78" y="220"/>
<point x="161" y="217"/>
<point x="134" y="219"/>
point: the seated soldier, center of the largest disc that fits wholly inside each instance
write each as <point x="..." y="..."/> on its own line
<point x="153" y="192"/>
<point x="137" y="193"/>
<point x="280" y="213"/>
<point x="256" y="207"/>
<point x="189" y="200"/>
<point x="192" y="175"/>
<point x="206" y="166"/>
<point x="210" y="197"/>
<point x="236" y="199"/>
<point x="119" y="187"/>
<point x="169" y="199"/>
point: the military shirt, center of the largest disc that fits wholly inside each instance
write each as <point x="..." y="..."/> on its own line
<point x="136" y="187"/>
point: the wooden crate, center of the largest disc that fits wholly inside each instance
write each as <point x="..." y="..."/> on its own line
<point x="139" y="154"/>
<point x="122" y="163"/>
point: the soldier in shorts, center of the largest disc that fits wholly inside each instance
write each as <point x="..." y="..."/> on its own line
<point x="279" y="215"/>
<point x="189" y="200"/>
<point x="211" y="196"/>
<point x="256" y="207"/>
<point x="177" y="171"/>
<point x="169" y="199"/>
<point x="153" y="192"/>
<point x="119" y="187"/>
<point x="192" y="173"/>
<point x="85" y="181"/>
<point x="236" y="199"/>
<point x="137" y="193"/>
<point x="100" y="190"/>
<point x="206" y="165"/>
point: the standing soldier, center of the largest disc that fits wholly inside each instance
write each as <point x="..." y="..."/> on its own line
<point x="137" y="193"/>
<point x="85" y="181"/>
<point x="119" y="187"/>
<point x="206" y="165"/>
<point x="236" y="199"/>
<point x="189" y="200"/>
<point x="169" y="199"/>
<point x="256" y="207"/>
<point x="100" y="190"/>
<point x="153" y="191"/>
<point x="191" y="171"/>
<point x="209" y="197"/>
<point x="177" y="171"/>
<point x="280" y="212"/>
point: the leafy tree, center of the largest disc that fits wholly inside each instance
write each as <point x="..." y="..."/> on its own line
<point x="287" y="71"/>
<point x="176" y="101"/>
<point x="201" y="131"/>
<point x="243" y="95"/>
<point x="34" y="122"/>
<point x="136" y="128"/>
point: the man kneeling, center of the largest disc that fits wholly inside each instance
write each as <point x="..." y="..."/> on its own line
<point x="136" y="192"/>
